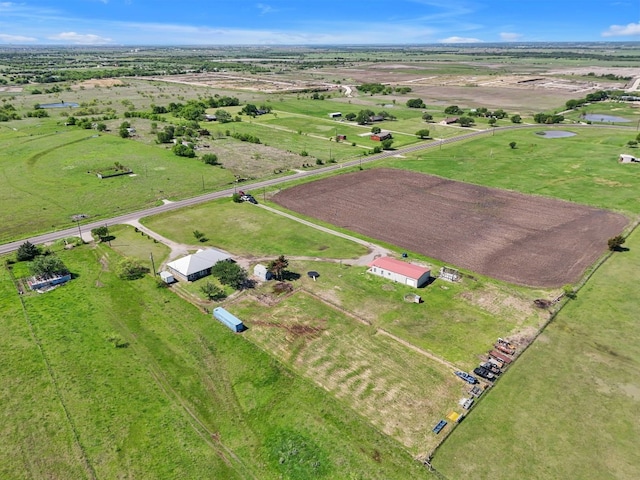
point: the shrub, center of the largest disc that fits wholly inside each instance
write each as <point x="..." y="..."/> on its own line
<point x="131" y="269"/>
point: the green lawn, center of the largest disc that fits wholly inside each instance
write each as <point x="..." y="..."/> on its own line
<point x="243" y="229"/>
<point x="582" y="169"/>
<point x="182" y="397"/>
<point x="568" y="407"/>
<point x="46" y="177"/>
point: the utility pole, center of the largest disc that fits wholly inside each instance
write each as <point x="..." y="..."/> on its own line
<point x="153" y="265"/>
<point x="108" y="236"/>
<point x="79" y="231"/>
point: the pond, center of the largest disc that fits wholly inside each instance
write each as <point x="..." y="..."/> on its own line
<point x="59" y="105"/>
<point x="555" y="134"/>
<point x="600" y="117"/>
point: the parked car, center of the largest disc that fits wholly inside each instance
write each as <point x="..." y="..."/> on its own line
<point x="484" y="373"/>
<point x="248" y="198"/>
<point x="492" y="367"/>
<point x="466" y="377"/>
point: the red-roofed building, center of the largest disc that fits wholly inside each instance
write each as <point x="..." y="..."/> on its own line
<point x="399" y="271"/>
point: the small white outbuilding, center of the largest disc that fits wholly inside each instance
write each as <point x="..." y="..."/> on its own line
<point x="625" y="158"/>
<point x="261" y="272"/>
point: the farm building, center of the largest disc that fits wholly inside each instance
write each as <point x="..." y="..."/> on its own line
<point x="376" y="118"/>
<point x="399" y="271"/>
<point x="166" y="277"/>
<point x="210" y="118"/>
<point x="449" y="120"/>
<point x="381" y="136"/>
<point x="624" y="158"/>
<point x="197" y="265"/>
<point x="262" y="273"/>
<point x="335" y="115"/>
<point x="39" y="283"/>
<point x="228" y="319"/>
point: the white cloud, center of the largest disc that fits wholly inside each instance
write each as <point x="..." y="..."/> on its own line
<point x="80" y="39"/>
<point x="264" y="9"/>
<point x="630" y="29"/>
<point x="16" y="38"/>
<point x="460" y="40"/>
<point x="510" y="37"/>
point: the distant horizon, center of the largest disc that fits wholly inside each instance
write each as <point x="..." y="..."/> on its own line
<point x="333" y="22"/>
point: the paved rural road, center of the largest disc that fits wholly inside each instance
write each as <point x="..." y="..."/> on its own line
<point x="129" y="217"/>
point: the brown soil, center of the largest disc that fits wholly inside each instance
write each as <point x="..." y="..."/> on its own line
<point x="521" y="239"/>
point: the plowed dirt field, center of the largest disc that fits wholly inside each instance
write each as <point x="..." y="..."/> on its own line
<point x="522" y="239"/>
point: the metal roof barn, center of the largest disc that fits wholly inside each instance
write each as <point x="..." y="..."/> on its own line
<point x="229" y="319"/>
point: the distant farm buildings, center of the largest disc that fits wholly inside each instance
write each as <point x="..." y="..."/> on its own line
<point x="399" y="271"/>
<point x="449" y="120"/>
<point x="198" y="265"/>
<point x="381" y="136"/>
<point x="624" y="158"/>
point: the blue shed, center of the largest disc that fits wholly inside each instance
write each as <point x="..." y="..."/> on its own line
<point x="230" y="320"/>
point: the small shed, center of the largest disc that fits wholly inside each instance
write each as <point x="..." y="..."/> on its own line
<point x="262" y="272"/>
<point x="47" y="281"/>
<point x="228" y="319"/>
<point x="167" y="277"/>
<point x="335" y="115"/>
<point x="625" y="158"/>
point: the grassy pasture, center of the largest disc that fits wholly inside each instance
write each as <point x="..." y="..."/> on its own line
<point x="457" y="322"/>
<point x="182" y="397"/>
<point x="370" y="372"/>
<point x="250" y="231"/>
<point x="129" y="243"/>
<point x="46" y="179"/>
<point x="582" y="169"/>
<point x="568" y="407"/>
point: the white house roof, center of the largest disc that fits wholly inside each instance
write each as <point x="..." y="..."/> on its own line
<point x="201" y="260"/>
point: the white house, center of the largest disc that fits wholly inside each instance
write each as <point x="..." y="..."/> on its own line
<point x="197" y="265"/>
<point x="625" y="158"/>
<point x="399" y="271"/>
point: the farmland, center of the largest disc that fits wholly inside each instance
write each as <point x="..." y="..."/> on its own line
<point x="338" y="377"/>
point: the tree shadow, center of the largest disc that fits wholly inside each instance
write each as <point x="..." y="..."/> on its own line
<point x="288" y="276"/>
<point x="621" y="249"/>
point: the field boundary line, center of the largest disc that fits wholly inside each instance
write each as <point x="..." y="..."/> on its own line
<point x="83" y="454"/>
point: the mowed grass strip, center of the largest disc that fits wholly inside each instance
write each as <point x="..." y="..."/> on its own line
<point x="244" y="229"/>
<point x="157" y="389"/>
<point x="568" y="407"/>
<point x="398" y="390"/>
<point x="37" y="439"/>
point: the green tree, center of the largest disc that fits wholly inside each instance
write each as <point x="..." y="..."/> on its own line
<point x="130" y="269"/>
<point x="364" y="117"/>
<point x="101" y="127"/>
<point x="223" y="116"/>
<point x="386" y="144"/>
<point x="512" y="145"/>
<point x="100" y="232"/>
<point x="183" y="151"/>
<point x="123" y="132"/>
<point x="212" y="291"/>
<point x="632" y="143"/>
<point x="236" y="197"/>
<point x="615" y="243"/>
<point x="350" y="117"/>
<point x="423" y="133"/>
<point x="375" y="130"/>
<point x="210" y="159"/>
<point x="492" y="122"/>
<point x="465" y="121"/>
<point x="415" y="103"/>
<point x="250" y="109"/>
<point x="427" y="117"/>
<point x="453" y="110"/>
<point x="27" y="251"/>
<point x="516" y="119"/>
<point x="230" y="273"/>
<point x="278" y="267"/>
<point x="46" y="265"/>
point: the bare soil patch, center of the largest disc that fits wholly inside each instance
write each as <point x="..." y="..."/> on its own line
<point x="522" y="239"/>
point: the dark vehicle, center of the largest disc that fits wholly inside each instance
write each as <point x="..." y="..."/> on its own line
<point x="492" y="367"/>
<point x="466" y="377"/>
<point x="441" y="424"/>
<point x="248" y="198"/>
<point x="484" y="373"/>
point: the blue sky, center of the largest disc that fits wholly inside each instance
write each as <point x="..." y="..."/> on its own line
<point x="322" y="22"/>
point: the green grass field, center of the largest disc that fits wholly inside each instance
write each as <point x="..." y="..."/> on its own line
<point x="568" y="407"/>
<point x="582" y="169"/>
<point x="46" y="177"/>
<point x="244" y="229"/>
<point x="182" y="396"/>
